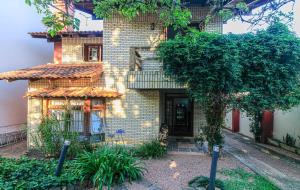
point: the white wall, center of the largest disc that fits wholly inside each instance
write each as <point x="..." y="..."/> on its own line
<point x="287" y="122"/>
<point x="18" y="50"/>
<point x="244" y="123"/>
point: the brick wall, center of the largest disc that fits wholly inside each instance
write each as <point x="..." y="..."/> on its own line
<point x="138" y="110"/>
<point x="34" y="118"/>
<point x="72" y="48"/>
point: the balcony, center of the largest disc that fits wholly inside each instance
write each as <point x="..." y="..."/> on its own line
<point x="146" y="71"/>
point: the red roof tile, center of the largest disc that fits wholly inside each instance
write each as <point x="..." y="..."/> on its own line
<point x="74" y="92"/>
<point x="54" y="71"/>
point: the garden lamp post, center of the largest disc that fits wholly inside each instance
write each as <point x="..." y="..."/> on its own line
<point x="213" y="169"/>
<point x="62" y="157"/>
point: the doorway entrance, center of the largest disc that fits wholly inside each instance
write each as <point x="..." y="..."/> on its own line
<point x="179" y="115"/>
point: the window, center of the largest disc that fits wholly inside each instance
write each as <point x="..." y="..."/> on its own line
<point x="57" y="108"/>
<point x="80" y="121"/>
<point x="97" y="116"/>
<point x="92" y="52"/>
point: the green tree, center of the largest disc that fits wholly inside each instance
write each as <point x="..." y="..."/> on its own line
<point x="209" y="65"/>
<point x="254" y="72"/>
<point x="270" y="60"/>
<point x="171" y="12"/>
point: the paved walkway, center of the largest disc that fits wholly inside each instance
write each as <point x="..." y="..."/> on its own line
<point x="282" y="171"/>
<point x="14" y="150"/>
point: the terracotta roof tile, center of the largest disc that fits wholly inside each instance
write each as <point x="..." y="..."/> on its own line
<point x="67" y="34"/>
<point x="54" y="71"/>
<point x="74" y="92"/>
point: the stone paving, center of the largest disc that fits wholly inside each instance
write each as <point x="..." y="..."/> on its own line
<point x="14" y="150"/>
<point x="279" y="169"/>
<point x="181" y="145"/>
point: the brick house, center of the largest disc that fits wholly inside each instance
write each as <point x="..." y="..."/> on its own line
<point x="113" y="80"/>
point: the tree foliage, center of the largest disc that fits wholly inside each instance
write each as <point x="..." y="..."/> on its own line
<point x="171" y="12"/>
<point x="254" y="72"/>
<point x="270" y="61"/>
<point x="209" y="65"/>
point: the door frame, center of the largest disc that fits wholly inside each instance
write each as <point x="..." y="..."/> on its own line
<point x="179" y="95"/>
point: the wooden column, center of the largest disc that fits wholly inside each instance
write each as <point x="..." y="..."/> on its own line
<point x="236" y="120"/>
<point x="267" y="126"/>
<point x="45" y="107"/>
<point x="87" y="116"/>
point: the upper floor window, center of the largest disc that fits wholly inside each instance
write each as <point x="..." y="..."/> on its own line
<point x="92" y="52"/>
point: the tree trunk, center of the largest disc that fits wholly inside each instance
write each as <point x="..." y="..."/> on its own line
<point x="214" y="113"/>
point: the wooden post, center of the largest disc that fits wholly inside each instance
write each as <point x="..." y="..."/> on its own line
<point x="236" y="120"/>
<point x="267" y="126"/>
<point x="87" y="115"/>
<point x="45" y="107"/>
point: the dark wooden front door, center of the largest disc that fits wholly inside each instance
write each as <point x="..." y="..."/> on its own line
<point x="179" y="115"/>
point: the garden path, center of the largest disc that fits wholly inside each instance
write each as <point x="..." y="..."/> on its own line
<point x="279" y="169"/>
<point x="14" y="150"/>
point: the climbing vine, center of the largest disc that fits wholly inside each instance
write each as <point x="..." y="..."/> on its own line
<point x="174" y="13"/>
<point x="253" y="72"/>
<point x="209" y="65"/>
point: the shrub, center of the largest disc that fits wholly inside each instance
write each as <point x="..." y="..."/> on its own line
<point x="107" y="166"/>
<point x="289" y="140"/>
<point x="50" y="138"/>
<point x="203" y="181"/>
<point x="27" y="173"/>
<point x="153" y="149"/>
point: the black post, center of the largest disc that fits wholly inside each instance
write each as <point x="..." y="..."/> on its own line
<point x="213" y="169"/>
<point x="62" y="158"/>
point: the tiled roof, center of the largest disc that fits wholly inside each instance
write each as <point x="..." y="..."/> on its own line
<point x="54" y="71"/>
<point x="67" y="34"/>
<point x="74" y="92"/>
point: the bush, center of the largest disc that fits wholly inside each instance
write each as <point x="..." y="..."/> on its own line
<point x="50" y="138"/>
<point x="107" y="166"/>
<point x="27" y="173"/>
<point x="203" y="181"/>
<point x="153" y="149"/>
<point x="289" y="140"/>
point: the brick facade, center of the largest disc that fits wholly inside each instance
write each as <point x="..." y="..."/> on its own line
<point x="138" y="111"/>
<point x="72" y="48"/>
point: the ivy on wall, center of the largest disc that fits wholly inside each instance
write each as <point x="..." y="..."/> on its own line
<point x="254" y="72"/>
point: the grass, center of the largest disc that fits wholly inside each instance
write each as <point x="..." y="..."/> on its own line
<point x="239" y="179"/>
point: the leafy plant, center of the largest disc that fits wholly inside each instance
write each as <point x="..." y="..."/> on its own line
<point x="203" y="181"/>
<point x="163" y="134"/>
<point x="51" y="134"/>
<point x="270" y="74"/>
<point x="289" y="140"/>
<point x="107" y="166"/>
<point x="170" y="12"/>
<point x="200" y="138"/>
<point x="153" y="149"/>
<point x="253" y="72"/>
<point x="208" y="64"/>
<point x="34" y="174"/>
